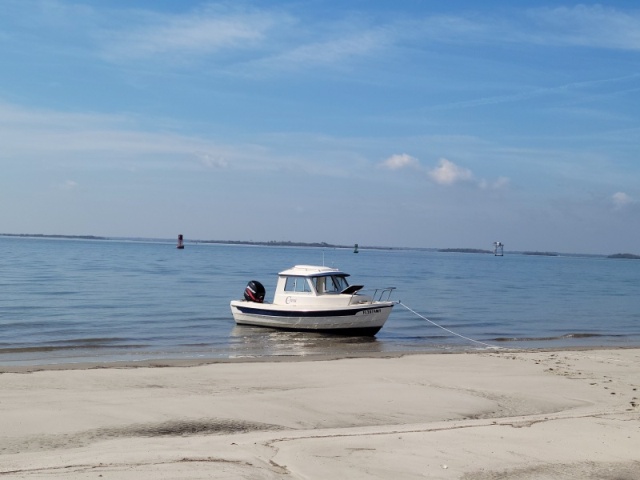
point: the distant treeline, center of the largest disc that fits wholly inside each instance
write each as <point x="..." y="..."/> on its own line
<point x="43" y="235"/>
<point x="625" y="255"/>
<point x="274" y="243"/>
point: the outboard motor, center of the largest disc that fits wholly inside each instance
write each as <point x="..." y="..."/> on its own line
<point x="254" y="292"/>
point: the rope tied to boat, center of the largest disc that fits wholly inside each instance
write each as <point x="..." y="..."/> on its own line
<point x="488" y="345"/>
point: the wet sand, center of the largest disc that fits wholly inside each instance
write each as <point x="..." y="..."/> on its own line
<point x="478" y="416"/>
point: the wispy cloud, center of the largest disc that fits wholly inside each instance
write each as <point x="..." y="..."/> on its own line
<point x="333" y="44"/>
<point x="586" y="26"/>
<point x="54" y="140"/>
<point x="204" y="32"/>
<point x="594" y="26"/>
<point x="531" y="93"/>
<point x="251" y="39"/>
<point x="329" y="45"/>
<point x="109" y="140"/>
<point x="499" y="183"/>
<point x="384" y="39"/>
<point x="285" y="37"/>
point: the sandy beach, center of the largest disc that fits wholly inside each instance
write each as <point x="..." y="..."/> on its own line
<point x="477" y="416"/>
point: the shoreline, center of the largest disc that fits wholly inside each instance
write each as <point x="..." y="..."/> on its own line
<point x="485" y="415"/>
<point x="199" y="362"/>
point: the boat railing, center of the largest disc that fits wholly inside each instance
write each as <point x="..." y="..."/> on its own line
<point x="379" y="295"/>
<point x="382" y="294"/>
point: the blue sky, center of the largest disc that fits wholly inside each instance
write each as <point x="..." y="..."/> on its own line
<point x="408" y="124"/>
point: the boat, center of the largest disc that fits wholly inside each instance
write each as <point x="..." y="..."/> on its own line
<point x="316" y="299"/>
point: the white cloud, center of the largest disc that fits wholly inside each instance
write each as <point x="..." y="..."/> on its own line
<point x="621" y="199"/>
<point x="399" y="161"/>
<point x="448" y="173"/>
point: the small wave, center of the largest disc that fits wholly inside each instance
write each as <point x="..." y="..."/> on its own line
<point x="90" y="340"/>
<point x="590" y="335"/>
<point x="551" y="339"/>
<point x="89" y="344"/>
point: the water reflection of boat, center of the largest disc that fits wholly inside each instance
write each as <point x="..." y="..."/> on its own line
<point x="250" y="341"/>
<point x="317" y="299"/>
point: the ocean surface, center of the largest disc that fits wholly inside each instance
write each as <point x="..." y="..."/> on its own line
<point x="68" y="301"/>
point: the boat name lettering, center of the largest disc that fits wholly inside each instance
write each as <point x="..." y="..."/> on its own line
<point x="370" y="311"/>
<point x="289" y="300"/>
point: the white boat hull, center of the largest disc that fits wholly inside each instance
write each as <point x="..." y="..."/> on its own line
<point x="361" y="319"/>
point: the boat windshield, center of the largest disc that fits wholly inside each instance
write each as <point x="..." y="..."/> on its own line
<point x="331" y="283"/>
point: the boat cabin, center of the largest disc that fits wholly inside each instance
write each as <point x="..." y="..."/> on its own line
<point x="308" y="284"/>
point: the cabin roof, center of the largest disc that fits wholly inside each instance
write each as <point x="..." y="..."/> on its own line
<point x="312" y="271"/>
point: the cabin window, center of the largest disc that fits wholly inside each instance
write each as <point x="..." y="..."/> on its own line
<point x="331" y="284"/>
<point x="340" y="282"/>
<point x="297" y="284"/>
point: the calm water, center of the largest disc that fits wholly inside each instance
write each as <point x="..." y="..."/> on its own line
<point x="74" y="300"/>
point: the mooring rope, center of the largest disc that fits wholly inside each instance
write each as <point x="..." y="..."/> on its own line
<point x="488" y="345"/>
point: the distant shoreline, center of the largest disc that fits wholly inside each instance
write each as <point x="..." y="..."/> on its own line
<point x="625" y="256"/>
<point x="463" y="250"/>
<point x="273" y="243"/>
<point x="43" y="235"/>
